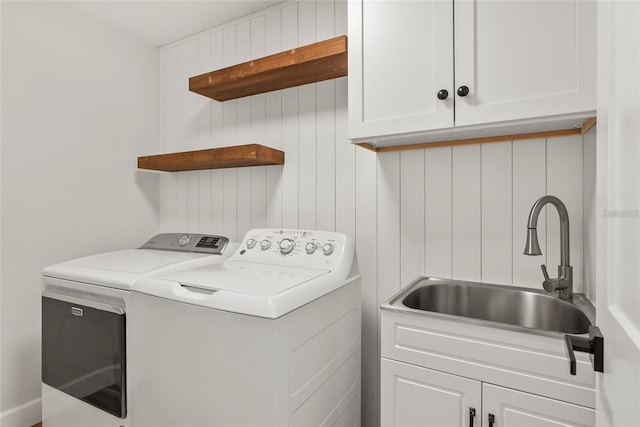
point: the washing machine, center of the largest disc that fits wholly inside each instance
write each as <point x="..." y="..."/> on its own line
<point x="270" y="337"/>
<point x="86" y="326"/>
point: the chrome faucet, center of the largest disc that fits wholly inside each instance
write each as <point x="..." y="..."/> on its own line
<point x="564" y="283"/>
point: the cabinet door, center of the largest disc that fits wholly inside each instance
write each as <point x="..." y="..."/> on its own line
<point x="400" y="57"/>
<point x="524" y="59"/>
<point x="414" y="396"/>
<point x="513" y="408"/>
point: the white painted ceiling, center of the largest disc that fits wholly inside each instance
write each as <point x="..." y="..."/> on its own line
<point x="160" y="22"/>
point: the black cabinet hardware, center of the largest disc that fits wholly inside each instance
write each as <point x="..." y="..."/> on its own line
<point x="492" y="419"/>
<point x="463" y="91"/>
<point x="443" y="94"/>
<point x="472" y="415"/>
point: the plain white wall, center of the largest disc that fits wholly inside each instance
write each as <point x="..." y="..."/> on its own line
<point x="79" y="104"/>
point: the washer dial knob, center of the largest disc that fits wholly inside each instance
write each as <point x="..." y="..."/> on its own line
<point x="251" y="243"/>
<point x="184" y="239"/>
<point x="265" y="244"/>
<point x="286" y="246"/>
<point x="327" y="248"/>
<point x="310" y="247"/>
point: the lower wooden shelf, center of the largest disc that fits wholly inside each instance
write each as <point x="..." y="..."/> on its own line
<point x="213" y="158"/>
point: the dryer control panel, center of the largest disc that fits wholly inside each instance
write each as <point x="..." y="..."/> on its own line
<point x="186" y="242"/>
<point x="300" y="248"/>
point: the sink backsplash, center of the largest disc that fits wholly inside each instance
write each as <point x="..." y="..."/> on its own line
<point x="462" y="212"/>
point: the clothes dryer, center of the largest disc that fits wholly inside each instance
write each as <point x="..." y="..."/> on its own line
<point x="270" y="337"/>
<point x="86" y="326"/>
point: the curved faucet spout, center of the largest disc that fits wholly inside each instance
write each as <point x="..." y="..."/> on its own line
<point x="564" y="283"/>
<point x="532" y="224"/>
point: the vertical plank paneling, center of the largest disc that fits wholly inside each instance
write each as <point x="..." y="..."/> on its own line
<point x="290" y="26"/>
<point x="367" y="252"/>
<point x="564" y="180"/>
<point x="258" y="129"/>
<point x="325" y="19"/>
<point x="217" y="136"/>
<point x="230" y="138"/>
<point x="217" y="108"/>
<point x="204" y="138"/>
<point x="273" y="128"/>
<point x="340" y="7"/>
<point x="203" y="104"/>
<point x="193" y="140"/>
<point x="326" y="156"/>
<point x="306" y="22"/>
<point x="590" y="213"/>
<point x="243" y="129"/>
<point x="325" y="130"/>
<point x="162" y="136"/>
<point x="181" y="138"/>
<point x="345" y="166"/>
<point x="290" y="126"/>
<point x="307" y="156"/>
<point x="345" y="152"/>
<point x="389" y="224"/>
<point x="412" y="224"/>
<point x="308" y="165"/>
<point x="497" y="234"/>
<point x="170" y="106"/>
<point x="529" y="184"/>
<point x="290" y="147"/>
<point x="438" y="212"/>
<point x="466" y="211"/>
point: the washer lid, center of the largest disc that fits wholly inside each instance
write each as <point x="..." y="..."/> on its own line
<point x="254" y="289"/>
<point x="245" y="277"/>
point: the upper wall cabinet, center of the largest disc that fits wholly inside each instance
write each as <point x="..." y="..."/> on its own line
<point x="422" y="71"/>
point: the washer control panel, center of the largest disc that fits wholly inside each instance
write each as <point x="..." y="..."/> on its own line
<point x="305" y="248"/>
<point x="187" y="242"/>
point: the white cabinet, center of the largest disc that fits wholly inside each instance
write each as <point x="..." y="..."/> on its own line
<point x="435" y="371"/>
<point x="512" y="408"/>
<point x="400" y="55"/>
<point x="414" y="396"/>
<point x="528" y="65"/>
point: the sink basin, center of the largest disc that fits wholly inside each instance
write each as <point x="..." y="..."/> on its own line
<point x="508" y="305"/>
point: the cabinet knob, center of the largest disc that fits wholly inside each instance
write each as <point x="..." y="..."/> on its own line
<point x="443" y="94"/>
<point x="463" y="91"/>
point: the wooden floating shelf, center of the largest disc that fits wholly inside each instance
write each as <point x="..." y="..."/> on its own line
<point x="213" y="158"/>
<point x="307" y="64"/>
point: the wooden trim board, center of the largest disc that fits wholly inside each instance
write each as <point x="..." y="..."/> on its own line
<point x="307" y="64"/>
<point x="213" y="158"/>
<point x="588" y="124"/>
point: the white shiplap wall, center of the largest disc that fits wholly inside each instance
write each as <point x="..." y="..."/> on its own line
<point x="462" y="211"/>
<point x="447" y="212"/>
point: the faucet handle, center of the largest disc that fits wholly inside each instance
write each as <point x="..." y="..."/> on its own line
<point x="549" y="285"/>
<point x="544" y="272"/>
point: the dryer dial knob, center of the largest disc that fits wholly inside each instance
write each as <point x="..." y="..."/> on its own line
<point x="327" y="248"/>
<point x="310" y="247"/>
<point x="184" y="239"/>
<point x="251" y="243"/>
<point x="265" y="244"/>
<point x="286" y="246"/>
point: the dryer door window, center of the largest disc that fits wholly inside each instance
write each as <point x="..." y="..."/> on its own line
<point x="83" y="352"/>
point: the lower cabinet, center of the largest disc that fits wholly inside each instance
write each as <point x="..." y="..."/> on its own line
<point x="416" y="396"/>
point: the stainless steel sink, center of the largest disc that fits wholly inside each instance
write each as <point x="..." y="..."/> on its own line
<point x="505" y="305"/>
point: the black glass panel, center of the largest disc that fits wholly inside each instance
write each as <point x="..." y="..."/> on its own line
<point x="83" y="353"/>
